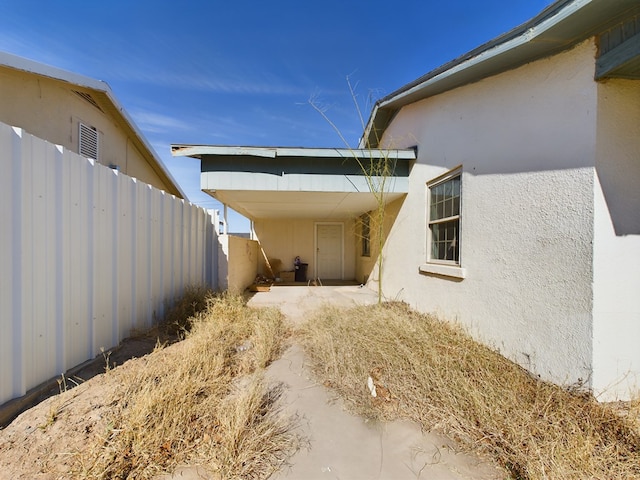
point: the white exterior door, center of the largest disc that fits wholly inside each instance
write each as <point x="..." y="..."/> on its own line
<point x="329" y="242"/>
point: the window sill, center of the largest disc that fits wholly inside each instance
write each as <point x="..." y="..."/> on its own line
<point x="444" y="270"/>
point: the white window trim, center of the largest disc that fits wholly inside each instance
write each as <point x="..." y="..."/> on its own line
<point x="444" y="270"/>
<point x="448" y="268"/>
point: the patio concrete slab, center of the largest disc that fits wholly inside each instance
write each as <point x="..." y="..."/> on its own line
<point x="296" y="302"/>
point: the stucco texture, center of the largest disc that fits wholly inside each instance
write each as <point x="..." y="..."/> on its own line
<point x="238" y="260"/>
<point x="526" y="142"/>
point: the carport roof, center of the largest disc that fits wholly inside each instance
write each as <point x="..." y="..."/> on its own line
<point x="198" y="151"/>
<point x="297" y="182"/>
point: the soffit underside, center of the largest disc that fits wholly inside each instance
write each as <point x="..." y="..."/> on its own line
<point x="297" y="182"/>
<point x="296" y="205"/>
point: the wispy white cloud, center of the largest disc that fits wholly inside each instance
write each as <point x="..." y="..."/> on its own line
<point x="127" y="63"/>
<point x="214" y="82"/>
<point x="201" y="127"/>
<point x="50" y="52"/>
<point x="153" y="122"/>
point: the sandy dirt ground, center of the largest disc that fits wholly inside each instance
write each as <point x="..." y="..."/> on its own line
<point x="44" y="441"/>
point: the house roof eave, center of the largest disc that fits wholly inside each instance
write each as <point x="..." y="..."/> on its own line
<point x="109" y="101"/>
<point x="156" y="163"/>
<point x="558" y="27"/>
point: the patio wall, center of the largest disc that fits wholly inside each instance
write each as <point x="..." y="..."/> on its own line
<point x="238" y="263"/>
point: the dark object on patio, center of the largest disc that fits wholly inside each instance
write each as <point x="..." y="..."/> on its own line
<point x="301" y="272"/>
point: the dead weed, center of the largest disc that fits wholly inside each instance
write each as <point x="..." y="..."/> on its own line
<point x="201" y="402"/>
<point x="435" y="374"/>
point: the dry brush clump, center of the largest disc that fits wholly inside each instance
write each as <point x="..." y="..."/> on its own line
<point x="434" y="373"/>
<point x="179" y="315"/>
<point x="203" y="401"/>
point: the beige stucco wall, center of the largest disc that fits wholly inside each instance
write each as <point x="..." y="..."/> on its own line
<point x="525" y="140"/>
<point x="49" y="109"/>
<point x="237" y="263"/>
<point x="286" y="239"/>
<point x="617" y="240"/>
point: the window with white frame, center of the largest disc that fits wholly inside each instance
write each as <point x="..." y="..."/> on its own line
<point x="444" y="218"/>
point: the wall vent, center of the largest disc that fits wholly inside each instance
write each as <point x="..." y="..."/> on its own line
<point x="88" y="98"/>
<point x="88" y="144"/>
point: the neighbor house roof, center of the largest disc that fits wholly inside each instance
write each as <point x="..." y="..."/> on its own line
<point x="558" y="27"/>
<point x="102" y="95"/>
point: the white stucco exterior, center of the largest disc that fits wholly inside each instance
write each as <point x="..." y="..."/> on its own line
<point x="535" y="288"/>
<point x="616" y="310"/>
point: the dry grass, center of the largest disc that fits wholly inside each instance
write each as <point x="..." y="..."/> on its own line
<point x="178" y="317"/>
<point x="201" y="402"/>
<point x="437" y="375"/>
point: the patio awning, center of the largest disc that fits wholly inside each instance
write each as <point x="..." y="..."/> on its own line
<point x="285" y="182"/>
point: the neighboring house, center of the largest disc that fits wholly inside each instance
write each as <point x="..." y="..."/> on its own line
<point x="520" y="216"/>
<point x="82" y="115"/>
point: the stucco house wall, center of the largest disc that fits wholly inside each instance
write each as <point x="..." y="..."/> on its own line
<point x="48" y="108"/>
<point x="526" y="142"/>
<point x="616" y="308"/>
<point x="286" y="239"/>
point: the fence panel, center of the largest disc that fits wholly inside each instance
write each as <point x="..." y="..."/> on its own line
<point x="86" y="256"/>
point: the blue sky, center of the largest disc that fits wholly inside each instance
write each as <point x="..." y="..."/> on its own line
<point x="242" y="72"/>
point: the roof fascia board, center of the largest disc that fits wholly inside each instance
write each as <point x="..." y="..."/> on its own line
<point x="31" y="66"/>
<point x="198" y="151"/>
<point x="618" y="57"/>
<point x="368" y="128"/>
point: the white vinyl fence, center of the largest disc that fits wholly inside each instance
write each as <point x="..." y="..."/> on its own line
<point x="86" y="256"/>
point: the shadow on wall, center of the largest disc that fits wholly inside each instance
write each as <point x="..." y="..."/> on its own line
<point x="366" y="265"/>
<point x="618" y="152"/>
<point x="623" y="208"/>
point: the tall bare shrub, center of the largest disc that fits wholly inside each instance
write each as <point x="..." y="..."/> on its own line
<point x="378" y="168"/>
